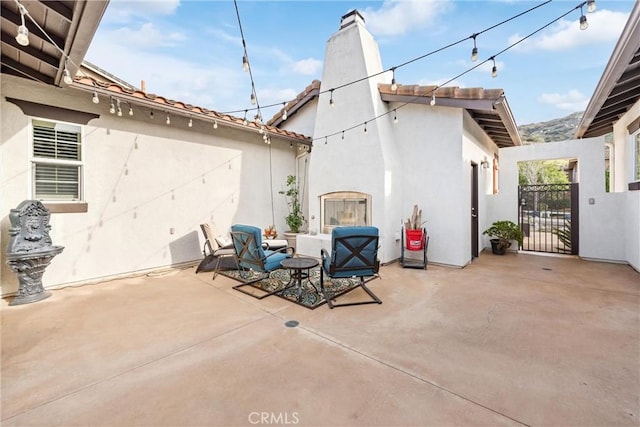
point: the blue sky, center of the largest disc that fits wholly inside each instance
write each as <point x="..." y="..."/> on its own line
<point x="191" y="50"/>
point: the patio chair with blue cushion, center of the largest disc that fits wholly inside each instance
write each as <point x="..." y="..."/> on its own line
<point x="253" y="256"/>
<point x="354" y="254"/>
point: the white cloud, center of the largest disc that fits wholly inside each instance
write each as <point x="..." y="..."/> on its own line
<point x="571" y="101"/>
<point x="307" y="67"/>
<point x="397" y="17"/>
<point x="604" y="25"/>
<point x="207" y="84"/>
<point x="148" y="35"/>
<point x="125" y="10"/>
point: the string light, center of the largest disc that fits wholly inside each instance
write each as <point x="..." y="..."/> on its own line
<point x="66" y="75"/>
<point x="365" y="127"/>
<point x="583" y="20"/>
<point x="245" y="63"/>
<point x="325" y="140"/>
<point x="119" y="108"/>
<point x="395" y="116"/>
<point x="429" y="53"/>
<point x="215" y="124"/>
<point x="244" y="120"/>
<point x="112" y="108"/>
<point x="342" y="134"/>
<point x="284" y="112"/>
<point x="168" y="119"/>
<point x="433" y="98"/>
<point x="95" y="99"/>
<point x="151" y="114"/>
<point x="23" y="33"/>
<point x="331" y="99"/>
<point x="190" y="122"/>
<point x="474" y="51"/>
<point x="591" y="5"/>
<point x="253" y="99"/>
<point x="130" y="110"/>
<point x="494" y="70"/>
<point x="394" y="86"/>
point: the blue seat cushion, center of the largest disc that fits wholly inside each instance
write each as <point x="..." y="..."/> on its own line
<point x="272" y="262"/>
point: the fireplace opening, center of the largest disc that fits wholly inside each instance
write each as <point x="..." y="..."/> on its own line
<point x="344" y="208"/>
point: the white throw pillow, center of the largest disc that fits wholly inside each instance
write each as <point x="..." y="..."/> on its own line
<point x="223" y="241"/>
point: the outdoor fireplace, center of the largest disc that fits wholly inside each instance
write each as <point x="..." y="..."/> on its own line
<point x="344" y="208"/>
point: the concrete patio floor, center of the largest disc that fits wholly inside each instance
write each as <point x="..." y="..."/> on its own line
<point x="509" y="340"/>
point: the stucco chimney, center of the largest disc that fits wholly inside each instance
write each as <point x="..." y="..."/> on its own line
<point x="143" y="86"/>
<point x="351" y="18"/>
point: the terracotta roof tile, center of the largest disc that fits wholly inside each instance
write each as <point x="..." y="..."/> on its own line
<point x="309" y="93"/>
<point x="159" y="102"/>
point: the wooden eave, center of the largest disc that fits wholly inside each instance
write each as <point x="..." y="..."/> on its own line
<point x="487" y="107"/>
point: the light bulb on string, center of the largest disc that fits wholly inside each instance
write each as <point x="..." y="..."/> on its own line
<point x="325" y="140"/>
<point x="433" y="99"/>
<point x="22" y="37"/>
<point x="331" y="98"/>
<point x="168" y="119"/>
<point x="583" y="20"/>
<point x="95" y="99"/>
<point x="215" y="124"/>
<point x="119" y="108"/>
<point x="253" y="98"/>
<point x="591" y="5"/>
<point x="112" y="108"/>
<point x="494" y="70"/>
<point x="130" y="110"/>
<point x="474" y="51"/>
<point x="394" y="85"/>
<point x="190" y="122"/>
<point x="284" y="113"/>
<point x="365" y="127"/>
<point x="245" y="63"/>
<point x="244" y="120"/>
<point x="66" y="76"/>
<point x="342" y="134"/>
<point x="395" y="116"/>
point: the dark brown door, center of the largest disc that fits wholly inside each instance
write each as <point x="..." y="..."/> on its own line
<point x="474" y="210"/>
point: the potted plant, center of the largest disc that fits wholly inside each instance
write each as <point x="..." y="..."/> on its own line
<point x="294" y="219"/>
<point x="270" y="232"/>
<point x="413" y="230"/>
<point x="502" y="233"/>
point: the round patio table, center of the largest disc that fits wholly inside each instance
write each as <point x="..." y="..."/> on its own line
<point x="299" y="270"/>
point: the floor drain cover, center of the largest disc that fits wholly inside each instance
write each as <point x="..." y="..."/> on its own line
<point x="291" y="323"/>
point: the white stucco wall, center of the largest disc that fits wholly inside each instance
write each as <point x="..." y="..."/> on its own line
<point x="303" y="120"/>
<point x="142" y="179"/>
<point x="624" y="151"/>
<point x="355" y="163"/>
<point x="424" y="159"/>
<point x="601" y="236"/>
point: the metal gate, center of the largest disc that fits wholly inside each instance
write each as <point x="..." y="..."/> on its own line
<point x="549" y="218"/>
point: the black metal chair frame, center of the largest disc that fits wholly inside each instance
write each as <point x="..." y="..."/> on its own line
<point x="246" y="255"/>
<point x="356" y="252"/>
<point x="215" y="251"/>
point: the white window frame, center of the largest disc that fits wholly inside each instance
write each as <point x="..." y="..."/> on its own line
<point x="63" y="204"/>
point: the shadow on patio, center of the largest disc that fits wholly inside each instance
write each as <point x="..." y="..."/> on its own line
<point x="513" y="340"/>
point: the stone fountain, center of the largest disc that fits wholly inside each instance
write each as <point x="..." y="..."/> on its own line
<point x="30" y="250"/>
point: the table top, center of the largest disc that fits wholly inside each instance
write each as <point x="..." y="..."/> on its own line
<point x="299" y="263"/>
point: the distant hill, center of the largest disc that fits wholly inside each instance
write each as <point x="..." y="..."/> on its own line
<point x="553" y="130"/>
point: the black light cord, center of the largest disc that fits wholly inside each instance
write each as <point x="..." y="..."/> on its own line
<point x="473" y="36"/>
<point x="491" y="58"/>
